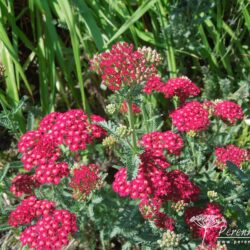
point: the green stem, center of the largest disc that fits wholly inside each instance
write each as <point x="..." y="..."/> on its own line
<point x="191" y="144"/>
<point x="167" y="39"/>
<point x="131" y="123"/>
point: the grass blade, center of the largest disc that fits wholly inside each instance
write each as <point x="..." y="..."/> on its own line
<point x="135" y="16"/>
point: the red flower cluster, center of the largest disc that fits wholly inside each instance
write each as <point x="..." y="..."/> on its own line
<point x="52" y="228"/>
<point x="150" y="181"/>
<point x="123" y="65"/>
<point x="181" y="87"/>
<point x="210" y="217"/>
<point x="153" y="84"/>
<point x="156" y="142"/>
<point x="51" y="231"/>
<point x="181" y="188"/>
<point x="163" y="221"/>
<point x="190" y="117"/>
<point x="153" y="185"/>
<point x="40" y="148"/>
<point x="124" y="108"/>
<point x="85" y="180"/>
<point x="231" y="153"/>
<point x="217" y="246"/>
<point x="37" y="149"/>
<point x="23" y="184"/>
<point x="47" y="123"/>
<point x="29" y="209"/>
<point x="149" y="207"/>
<point x="51" y="172"/>
<point x="228" y="111"/>
<point x="73" y="129"/>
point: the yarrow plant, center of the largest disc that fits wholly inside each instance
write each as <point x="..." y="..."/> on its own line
<point x="162" y="170"/>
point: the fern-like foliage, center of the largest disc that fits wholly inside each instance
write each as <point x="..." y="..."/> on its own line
<point x="8" y="117"/>
<point x="129" y="157"/>
<point x="131" y="225"/>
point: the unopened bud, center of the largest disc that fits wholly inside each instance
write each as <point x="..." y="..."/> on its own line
<point x="122" y="130"/>
<point x="212" y="195"/>
<point x="169" y="239"/>
<point x="2" y="70"/>
<point x="179" y="206"/>
<point x="191" y="133"/>
<point x="110" y="109"/>
<point x="109" y="141"/>
<point x="151" y="56"/>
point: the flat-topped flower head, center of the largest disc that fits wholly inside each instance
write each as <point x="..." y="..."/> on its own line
<point x="157" y="142"/>
<point x="181" y="87"/>
<point x="73" y="129"/>
<point x="48" y="121"/>
<point x="150" y="207"/>
<point x="181" y="188"/>
<point x="229" y="111"/>
<point x="153" y="84"/>
<point x="85" y="180"/>
<point x="51" y="231"/>
<point x="37" y="149"/>
<point x="190" y="117"/>
<point x="205" y="222"/>
<point x="51" y="172"/>
<point x="29" y="209"/>
<point x="150" y="182"/>
<point x="124" y="65"/>
<point x="231" y="153"/>
<point x="23" y="184"/>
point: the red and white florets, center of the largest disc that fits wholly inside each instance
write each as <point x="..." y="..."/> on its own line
<point x="23" y="184"/>
<point x="38" y="149"/>
<point x="231" y="153"/>
<point x="51" y="172"/>
<point x="52" y="231"/>
<point x="181" y="188"/>
<point x="181" y="87"/>
<point x="41" y="148"/>
<point x="150" y="181"/>
<point x="153" y="84"/>
<point x="157" y="142"/>
<point x="73" y="130"/>
<point x="123" y="64"/>
<point x="190" y="117"/>
<point x="29" y="209"/>
<point x="85" y="180"/>
<point x="150" y="207"/>
<point x="47" y="123"/>
<point x="229" y="111"/>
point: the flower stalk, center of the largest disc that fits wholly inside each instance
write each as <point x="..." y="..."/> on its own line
<point x="131" y="123"/>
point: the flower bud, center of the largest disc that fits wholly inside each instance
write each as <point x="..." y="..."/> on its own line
<point x="150" y="55"/>
<point x="122" y="130"/>
<point x="212" y="195"/>
<point x="169" y="239"/>
<point x="2" y="70"/>
<point x="191" y="133"/>
<point x="178" y="206"/>
<point x="110" y="109"/>
<point x="109" y="141"/>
